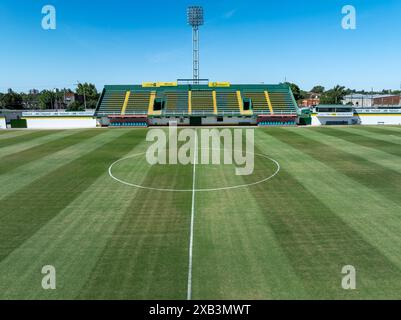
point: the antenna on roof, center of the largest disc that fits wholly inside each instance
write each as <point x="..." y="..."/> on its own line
<point x="195" y="19"/>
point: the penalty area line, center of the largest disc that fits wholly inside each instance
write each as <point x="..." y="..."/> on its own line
<point x="191" y="233"/>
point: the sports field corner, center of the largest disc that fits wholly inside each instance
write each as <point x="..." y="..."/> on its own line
<point x="334" y="202"/>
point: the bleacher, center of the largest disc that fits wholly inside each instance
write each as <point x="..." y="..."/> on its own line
<point x="138" y="102"/>
<point x="259" y="102"/>
<point x="176" y="102"/>
<point x="173" y="99"/>
<point x="202" y="102"/>
<point x="112" y="102"/>
<point x="281" y="101"/>
<point x="227" y="102"/>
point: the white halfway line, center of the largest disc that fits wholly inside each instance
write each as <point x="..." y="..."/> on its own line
<point x="191" y="235"/>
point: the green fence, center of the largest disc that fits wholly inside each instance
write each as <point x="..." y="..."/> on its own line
<point x="18" y="124"/>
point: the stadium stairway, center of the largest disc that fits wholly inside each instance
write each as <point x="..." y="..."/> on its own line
<point x="153" y="96"/>
<point x="127" y="95"/>
<point x="269" y="103"/>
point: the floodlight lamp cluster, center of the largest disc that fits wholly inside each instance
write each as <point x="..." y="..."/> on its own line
<point x="195" y="16"/>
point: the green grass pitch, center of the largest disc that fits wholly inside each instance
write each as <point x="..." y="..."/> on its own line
<point x="336" y="201"/>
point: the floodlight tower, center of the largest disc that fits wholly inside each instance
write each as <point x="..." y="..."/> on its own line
<point x="195" y="20"/>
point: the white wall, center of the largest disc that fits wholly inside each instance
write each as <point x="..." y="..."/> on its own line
<point x="367" y="119"/>
<point x="318" y="121"/>
<point x="3" y="124"/>
<point x="359" y="102"/>
<point x="61" y="123"/>
<point x="380" y="119"/>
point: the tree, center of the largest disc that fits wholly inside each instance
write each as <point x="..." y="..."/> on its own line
<point x="318" y="89"/>
<point x="296" y="91"/>
<point x="12" y="100"/>
<point x="50" y="99"/>
<point x="46" y="99"/>
<point x="76" y="106"/>
<point x="333" y="96"/>
<point x="30" y="100"/>
<point x="91" y="104"/>
<point x="89" y="91"/>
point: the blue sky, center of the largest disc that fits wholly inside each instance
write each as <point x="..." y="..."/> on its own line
<point x="130" y="41"/>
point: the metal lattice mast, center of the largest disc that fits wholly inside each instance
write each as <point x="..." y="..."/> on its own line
<point x="195" y="39"/>
<point x="195" y="19"/>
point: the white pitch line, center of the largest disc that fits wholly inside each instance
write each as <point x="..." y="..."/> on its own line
<point x="191" y="235"/>
<point x="278" y="168"/>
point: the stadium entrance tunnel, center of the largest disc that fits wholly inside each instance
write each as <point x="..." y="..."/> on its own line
<point x="134" y="171"/>
<point x="195" y="121"/>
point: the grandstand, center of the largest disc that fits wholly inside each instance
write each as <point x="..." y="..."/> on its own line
<point x="112" y="102"/>
<point x="212" y="103"/>
<point x="227" y="102"/>
<point x="176" y="102"/>
<point x="201" y="102"/>
<point x="138" y="102"/>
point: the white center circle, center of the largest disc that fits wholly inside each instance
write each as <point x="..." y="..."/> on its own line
<point x="191" y="190"/>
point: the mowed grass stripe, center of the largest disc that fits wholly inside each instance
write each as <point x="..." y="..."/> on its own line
<point x="374" y="155"/>
<point x="385" y="130"/>
<point x="24" y="138"/>
<point x="376" y="218"/>
<point x="27" y="210"/>
<point x="19" y="147"/>
<point x="72" y="241"/>
<point x="318" y="243"/>
<point x="385" y="137"/>
<point x="148" y="251"/>
<point x="372" y="175"/>
<point x="7" y="134"/>
<point x="236" y="253"/>
<point x="370" y="142"/>
<point x="12" y="181"/>
<point x="15" y="160"/>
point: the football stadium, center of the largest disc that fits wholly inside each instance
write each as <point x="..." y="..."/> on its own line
<point x="85" y="215"/>
<point x="196" y="104"/>
<point x="334" y="202"/>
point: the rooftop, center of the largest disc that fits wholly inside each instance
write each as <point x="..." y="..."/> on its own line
<point x="369" y="96"/>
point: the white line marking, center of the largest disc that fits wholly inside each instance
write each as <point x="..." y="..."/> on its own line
<point x="278" y="168"/>
<point x="191" y="236"/>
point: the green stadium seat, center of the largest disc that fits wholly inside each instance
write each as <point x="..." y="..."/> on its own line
<point x="112" y="102"/>
<point x="202" y="102"/>
<point x="176" y="102"/>
<point x="138" y="102"/>
<point x="227" y="102"/>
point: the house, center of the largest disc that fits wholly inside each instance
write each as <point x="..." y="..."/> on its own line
<point x="312" y="100"/>
<point x="371" y="100"/>
<point x="71" y="97"/>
